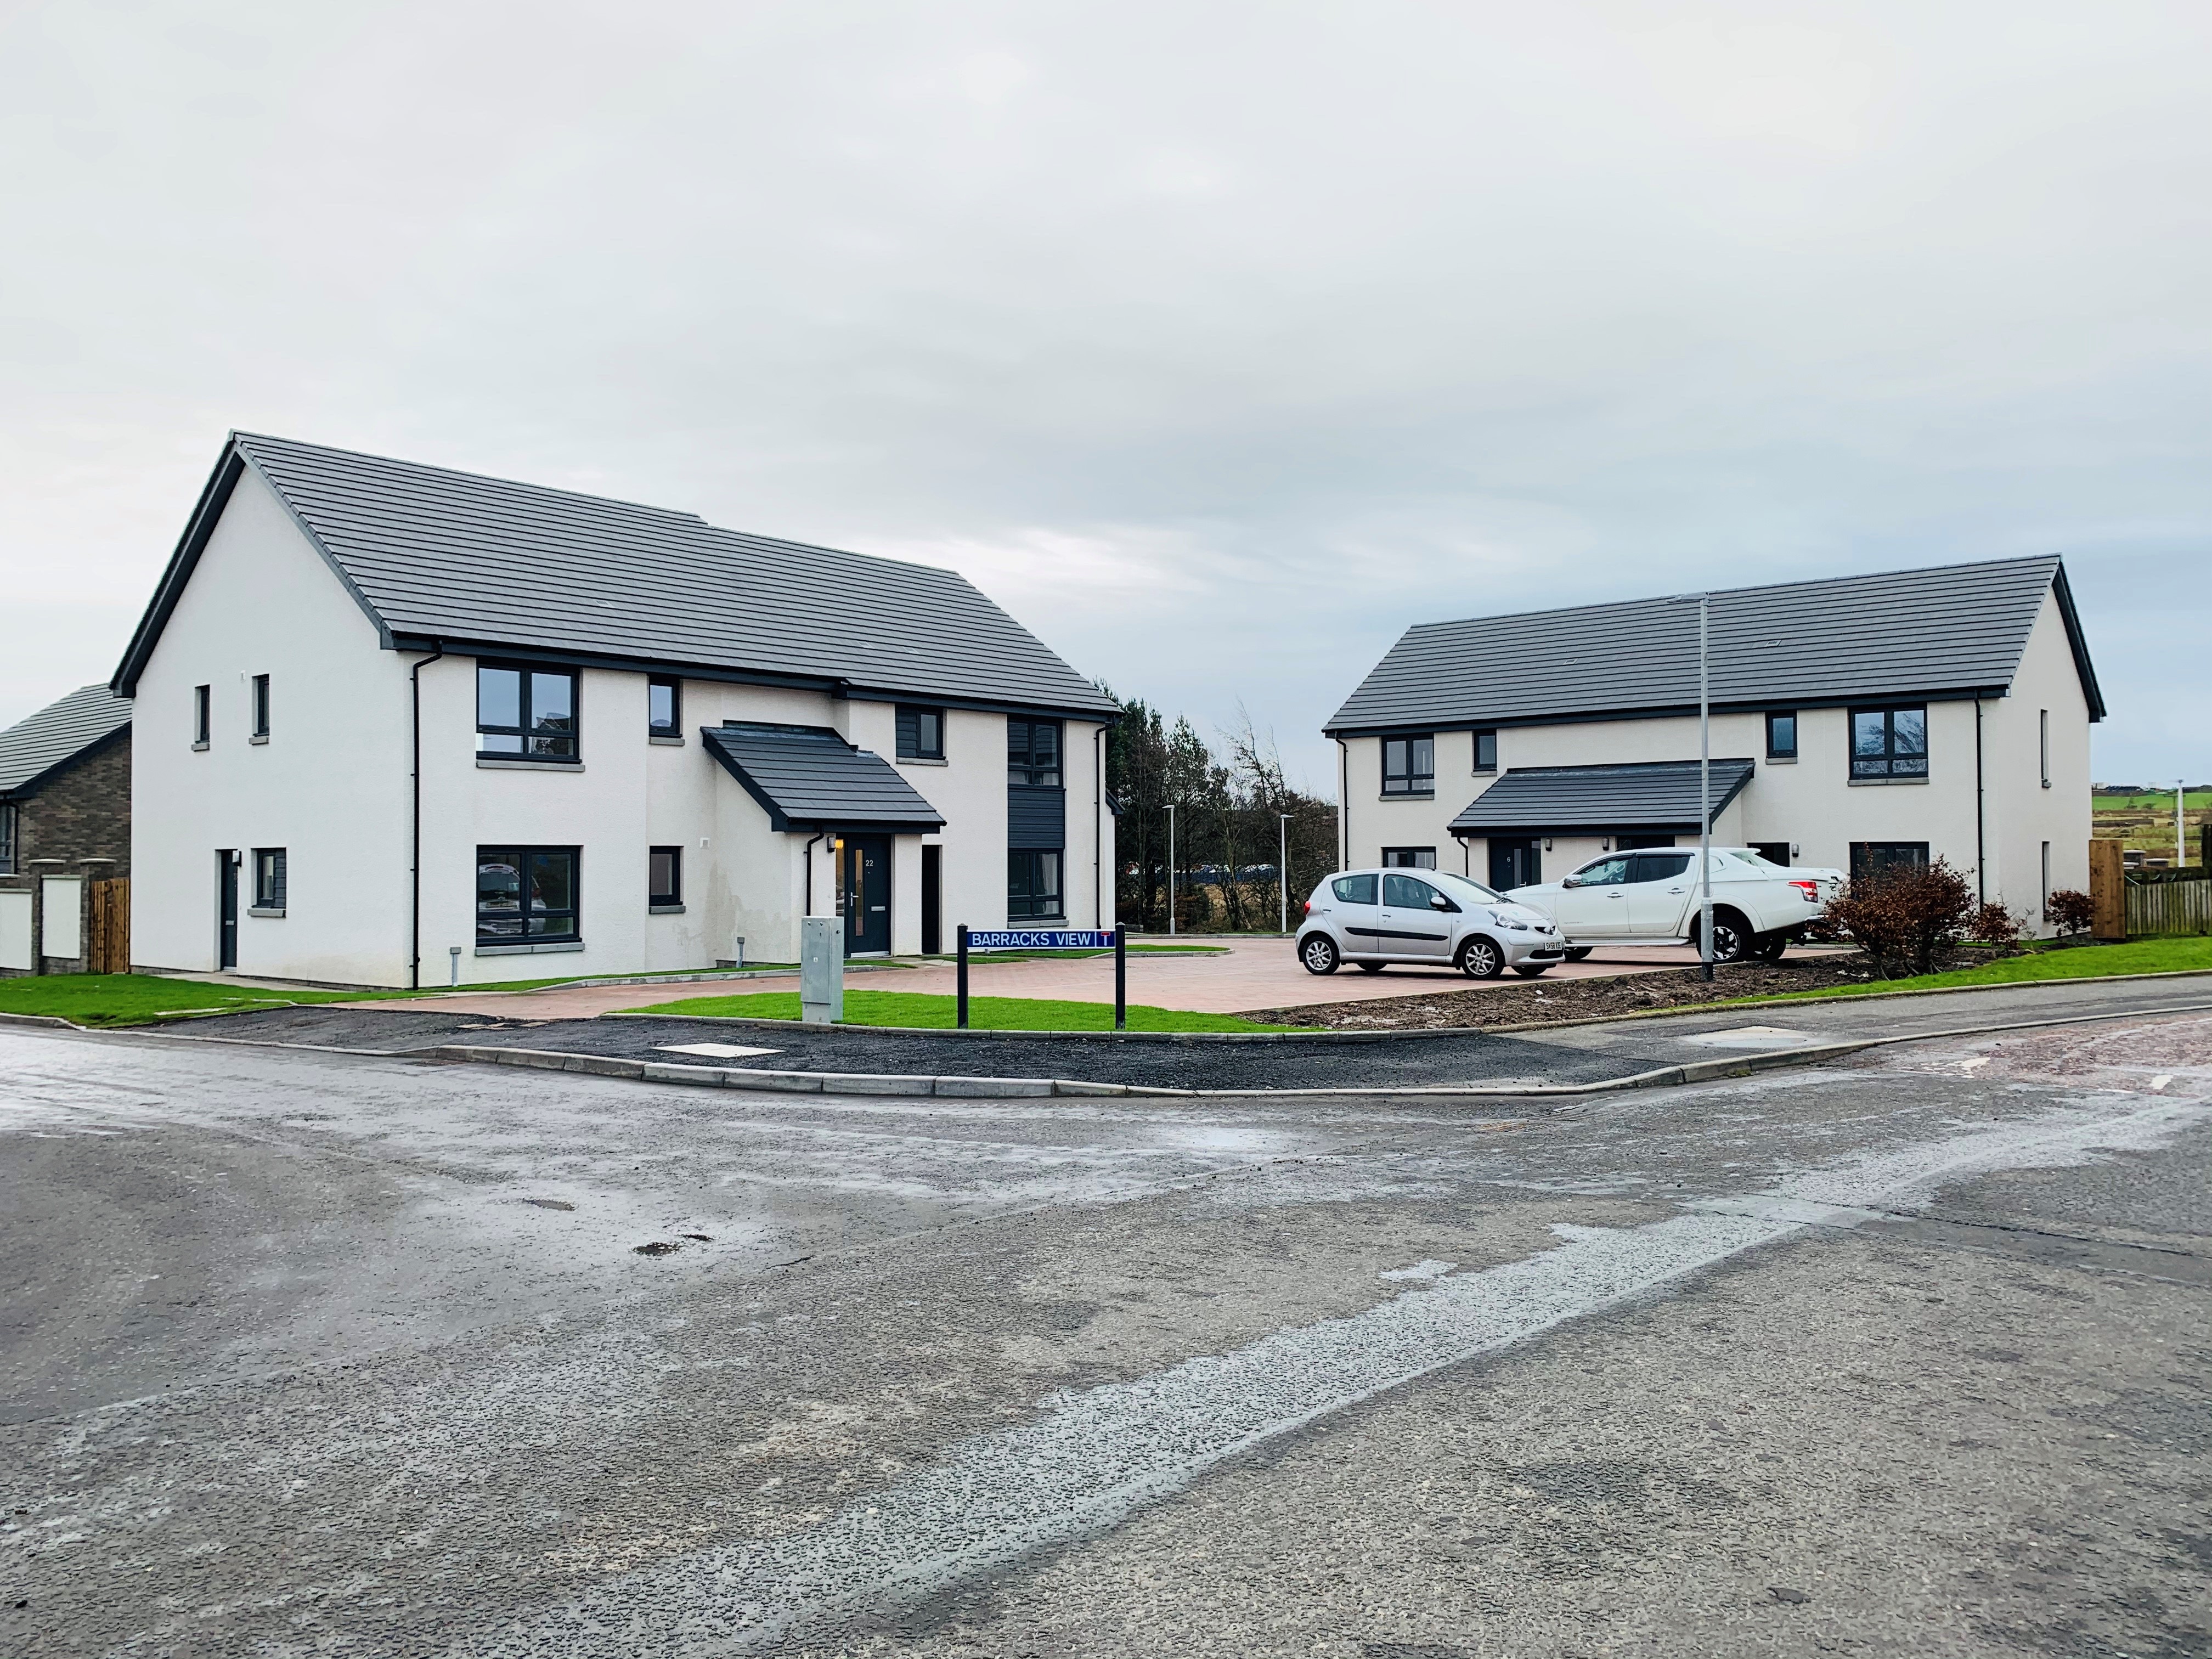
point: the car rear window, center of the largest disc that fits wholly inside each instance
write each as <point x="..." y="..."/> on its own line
<point x="1353" y="890"/>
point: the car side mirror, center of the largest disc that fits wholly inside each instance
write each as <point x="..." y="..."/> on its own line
<point x="1571" y="881"/>
<point x="1438" y="901"/>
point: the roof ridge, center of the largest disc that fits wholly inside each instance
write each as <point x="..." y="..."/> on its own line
<point x="517" y="484"/>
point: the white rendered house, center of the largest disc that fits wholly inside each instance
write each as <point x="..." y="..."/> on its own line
<point x="1857" y="721"/>
<point x="406" y="725"/>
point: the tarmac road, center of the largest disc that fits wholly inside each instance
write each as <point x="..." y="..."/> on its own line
<point x="316" y="1353"/>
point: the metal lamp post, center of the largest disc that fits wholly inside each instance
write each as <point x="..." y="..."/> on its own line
<point x="1704" y="792"/>
<point x="1171" y="869"/>
<point x="1283" y="870"/>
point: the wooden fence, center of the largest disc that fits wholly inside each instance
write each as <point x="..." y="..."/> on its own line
<point x="107" y="927"/>
<point x="2169" y="901"/>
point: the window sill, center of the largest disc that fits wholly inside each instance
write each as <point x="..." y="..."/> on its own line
<point x="664" y="909"/>
<point x="1480" y="772"/>
<point x="258" y="737"/>
<point x="199" y="749"/>
<point x="1782" y="759"/>
<point x="921" y="760"/>
<point x="266" y="910"/>
<point x="1884" y="783"/>
<point x="665" y="742"/>
<point x="1411" y="794"/>
<point x="528" y="949"/>
<point x="488" y="763"/>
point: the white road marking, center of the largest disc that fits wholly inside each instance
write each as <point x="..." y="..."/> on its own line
<point x="2161" y="1080"/>
<point x="1973" y="1062"/>
<point x="1100" y="1455"/>
<point x="713" y="1050"/>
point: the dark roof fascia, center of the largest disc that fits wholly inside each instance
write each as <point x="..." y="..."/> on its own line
<point x="214" y="496"/>
<point x="31" y="786"/>
<point x="1609" y="827"/>
<point x="779" y="820"/>
<point x="830" y="685"/>
<point x="1679" y="711"/>
<point x="2078" y="642"/>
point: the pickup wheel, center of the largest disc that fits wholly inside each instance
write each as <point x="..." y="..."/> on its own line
<point x="1732" y="936"/>
<point x="1579" y="953"/>
<point x="1317" y="954"/>
<point x="1478" y="959"/>
<point x="1767" y="947"/>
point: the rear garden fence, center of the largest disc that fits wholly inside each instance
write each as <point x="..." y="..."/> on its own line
<point x="2169" y="901"/>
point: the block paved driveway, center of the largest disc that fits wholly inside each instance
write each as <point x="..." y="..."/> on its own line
<point x="1253" y="972"/>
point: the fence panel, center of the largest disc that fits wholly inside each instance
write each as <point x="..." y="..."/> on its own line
<point x="2170" y="906"/>
<point x="107" y="948"/>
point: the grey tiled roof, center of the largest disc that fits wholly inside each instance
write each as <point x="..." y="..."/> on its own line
<point x="807" y="777"/>
<point x="1559" y="799"/>
<point x="481" y="561"/>
<point x="34" y="746"/>
<point x="1950" y="629"/>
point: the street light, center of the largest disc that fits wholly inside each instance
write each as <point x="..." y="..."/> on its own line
<point x="1705" y="793"/>
<point x="1171" y="869"/>
<point x="1283" y="870"/>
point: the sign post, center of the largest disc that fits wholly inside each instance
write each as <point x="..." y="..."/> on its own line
<point x="1041" y="938"/>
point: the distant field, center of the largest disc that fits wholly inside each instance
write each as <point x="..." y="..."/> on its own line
<point x="2156" y="801"/>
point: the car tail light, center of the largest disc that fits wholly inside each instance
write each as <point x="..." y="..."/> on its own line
<point x="1807" y="891"/>
<point x="1308" y="907"/>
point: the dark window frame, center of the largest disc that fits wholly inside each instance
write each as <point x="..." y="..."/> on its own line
<point x="271" y="878"/>
<point x="1892" y="763"/>
<point x="913" y="721"/>
<point x="1864" y="855"/>
<point x="1411" y="782"/>
<point x="1026" y="765"/>
<point x="522" y="733"/>
<point x="10" y="825"/>
<point x="261" y="705"/>
<point x="1486" y="735"/>
<point x="674" y="893"/>
<point x="1031" y="906"/>
<point x="202" y="713"/>
<point x="525" y="858"/>
<point x="1774" y="750"/>
<point x="1391" y="855"/>
<point x="673" y="728"/>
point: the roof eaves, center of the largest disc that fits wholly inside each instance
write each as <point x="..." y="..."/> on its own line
<point x="2078" y="642"/>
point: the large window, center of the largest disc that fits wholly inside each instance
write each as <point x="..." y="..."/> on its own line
<point x="527" y="714"/>
<point x="1781" y="734"/>
<point x="1409" y="858"/>
<point x="269" y="878"/>
<point x="921" y="736"/>
<point x="1889" y="743"/>
<point x="526" y="894"/>
<point x="1409" y="766"/>
<point x="1032" y="886"/>
<point x="1033" y="754"/>
<point x="663" y="707"/>
<point x="1872" y="858"/>
<point x="261" y="705"/>
<point x="1485" y="751"/>
<point x="664" y="878"/>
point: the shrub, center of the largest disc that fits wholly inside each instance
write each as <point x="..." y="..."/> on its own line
<point x="1992" y="924"/>
<point x="1903" y="917"/>
<point x="2069" y="911"/>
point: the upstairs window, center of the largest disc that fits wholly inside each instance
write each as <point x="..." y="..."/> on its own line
<point x="1485" y="751"/>
<point x="203" y="721"/>
<point x="1409" y="858"/>
<point x="527" y="714"/>
<point x="1409" y="766"/>
<point x="663" y="707"/>
<point x="269" y="878"/>
<point x="921" y="734"/>
<point x="7" y="838"/>
<point x="1889" y="743"/>
<point x="526" y="894"/>
<point x="261" y="705"/>
<point x="1781" y="734"/>
<point x="665" y="878"/>
<point x="1033" y="754"/>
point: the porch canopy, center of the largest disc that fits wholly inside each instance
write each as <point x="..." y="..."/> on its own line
<point x="808" y="778"/>
<point x="1654" y="797"/>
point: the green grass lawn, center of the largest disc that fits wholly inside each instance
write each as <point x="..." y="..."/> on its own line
<point x="916" y="1009"/>
<point x="2142" y="956"/>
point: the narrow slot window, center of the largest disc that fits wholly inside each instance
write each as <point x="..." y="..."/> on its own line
<point x="261" y="705"/>
<point x="203" y="720"/>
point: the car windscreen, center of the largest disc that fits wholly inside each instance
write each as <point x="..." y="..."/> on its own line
<point x="1460" y="887"/>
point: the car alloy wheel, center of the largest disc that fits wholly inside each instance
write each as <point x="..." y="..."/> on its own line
<point x="1318" y="954"/>
<point x="1480" y="959"/>
<point x="1729" y="939"/>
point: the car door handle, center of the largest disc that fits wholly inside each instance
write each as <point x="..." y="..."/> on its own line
<point x="1616" y="893"/>
<point x="1678" y="890"/>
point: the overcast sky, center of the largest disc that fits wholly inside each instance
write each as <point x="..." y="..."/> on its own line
<point x="1218" y="343"/>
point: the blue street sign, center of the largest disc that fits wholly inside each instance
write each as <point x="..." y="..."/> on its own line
<point x="1045" y="939"/>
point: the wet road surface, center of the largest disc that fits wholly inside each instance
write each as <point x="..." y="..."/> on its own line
<point x="315" y="1354"/>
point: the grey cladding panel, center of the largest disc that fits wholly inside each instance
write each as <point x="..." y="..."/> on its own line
<point x="1952" y="628"/>
<point x="1036" y="818"/>
<point x="1534" y="799"/>
<point x="807" y="777"/>
<point x="35" y="746"/>
<point x="453" y="556"/>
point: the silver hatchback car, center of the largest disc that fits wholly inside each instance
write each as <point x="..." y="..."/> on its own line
<point x="1371" y="918"/>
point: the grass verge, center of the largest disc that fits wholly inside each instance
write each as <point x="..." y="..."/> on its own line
<point x="918" y="1009"/>
<point x="2142" y="956"/>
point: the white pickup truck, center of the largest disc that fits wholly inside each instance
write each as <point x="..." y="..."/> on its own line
<point x="1650" y="897"/>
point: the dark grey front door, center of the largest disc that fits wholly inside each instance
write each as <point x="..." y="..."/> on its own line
<point x="867" y="894"/>
<point x="1515" y="862"/>
<point x="226" y="866"/>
